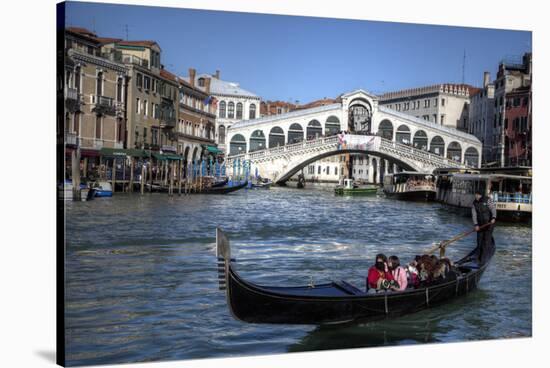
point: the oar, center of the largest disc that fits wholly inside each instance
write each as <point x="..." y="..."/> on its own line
<point x="443" y="244"/>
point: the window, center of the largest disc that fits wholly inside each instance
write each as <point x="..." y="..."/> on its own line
<point x="221" y="134"/>
<point x="90" y="50"/>
<point x="506" y="123"/>
<point x="525" y="101"/>
<point x="231" y="110"/>
<point x="146" y="82"/>
<point x="239" y="110"/>
<point x="319" y="170"/>
<point x="145" y="108"/>
<point x="76" y="123"/>
<point x="138" y="106"/>
<point x="119" y="89"/>
<point x="77" y="79"/>
<point x="144" y="134"/>
<point x="442" y="102"/>
<point x="98" y="127"/>
<point x="99" y="84"/>
<point x="328" y="170"/>
<point x="435" y="102"/>
<point x="442" y="119"/>
<point x="222" y="109"/>
<point x="201" y="82"/>
<point x="335" y="170"/>
<point x="139" y="80"/>
<point x="252" y="113"/>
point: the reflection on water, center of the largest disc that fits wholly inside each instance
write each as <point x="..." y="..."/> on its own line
<point x="142" y="281"/>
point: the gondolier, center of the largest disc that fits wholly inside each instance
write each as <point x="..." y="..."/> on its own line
<point x="483" y="212"/>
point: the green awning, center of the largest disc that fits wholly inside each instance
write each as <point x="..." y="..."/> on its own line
<point x="119" y="152"/>
<point x="213" y="149"/>
<point x="166" y="156"/>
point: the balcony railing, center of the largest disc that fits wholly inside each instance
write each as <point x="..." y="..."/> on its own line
<point x="131" y="59"/>
<point x="71" y="94"/>
<point x="71" y="139"/>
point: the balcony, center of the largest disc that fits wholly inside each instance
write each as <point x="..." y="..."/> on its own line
<point x="73" y="99"/>
<point x="103" y="105"/>
<point x="131" y="59"/>
<point x="71" y="139"/>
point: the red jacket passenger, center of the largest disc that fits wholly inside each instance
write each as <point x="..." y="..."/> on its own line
<point x="375" y="275"/>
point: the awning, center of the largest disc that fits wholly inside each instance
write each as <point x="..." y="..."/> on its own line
<point x="119" y="152"/>
<point x="166" y="156"/>
<point x="212" y="149"/>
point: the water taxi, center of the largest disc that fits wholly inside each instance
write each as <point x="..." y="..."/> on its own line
<point x="410" y="185"/>
<point x="349" y="187"/>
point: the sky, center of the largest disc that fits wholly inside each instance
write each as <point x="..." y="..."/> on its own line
<point x="302" y="59"/>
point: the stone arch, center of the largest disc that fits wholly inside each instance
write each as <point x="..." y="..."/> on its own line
<point x="237" y="145"/>
<point x="359" y="115"/>
<point x="332" y="126"/>
<point x="257" y="141"/>
<point x="314" y="129"/>
<point x="471" y="157"/>
<point x="295" y="133"/>
<point x="403" y="134"/>
<point x="420" y="140"/>
<point x="276" y="137"/>
<point x="194" y="157"/>
<point x="385" y="129"/>
<point x="454" y="151"/>
<point x="437" y="145"/>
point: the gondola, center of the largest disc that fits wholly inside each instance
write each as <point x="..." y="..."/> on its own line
<point x="336" y="302"/>
<point x="212" y="190"/>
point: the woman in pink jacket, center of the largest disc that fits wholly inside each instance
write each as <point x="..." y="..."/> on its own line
<point x="399" y="273"/>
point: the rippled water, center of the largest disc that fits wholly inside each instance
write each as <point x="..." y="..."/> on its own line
<point x="142" y="279"/>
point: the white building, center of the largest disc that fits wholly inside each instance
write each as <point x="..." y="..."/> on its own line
<point x="481" y="116"/>
<point x="444" y="104"/>
<point x="233" y="103"/>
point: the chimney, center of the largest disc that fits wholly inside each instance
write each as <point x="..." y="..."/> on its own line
<point x="192" y="74"/>
<point x="217" y="74"/>
<point x="486" y="79"/>
<point x="207" y="85"/>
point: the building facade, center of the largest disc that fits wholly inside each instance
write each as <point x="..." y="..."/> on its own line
<point x="196" y="122"/>
<point x="232" y="102"/>
<point x="443" y="104"/>
<point x="95" y="96"/>
<point x="481" y="116"/>
<point x="518" y="127"/>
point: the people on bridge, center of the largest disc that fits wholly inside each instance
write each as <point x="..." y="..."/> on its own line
<point x="379" y="276"/>
<point x="484" y="212"/>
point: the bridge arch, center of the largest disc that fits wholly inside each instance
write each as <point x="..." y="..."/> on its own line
<point x="437" y="146"/>
<point x="314" y="129"/>
<point x="332" y="126"/>
<point x="403" y="134"/>
<point x="454" y="151"/>
<point x="257" y="141"/>
<point x="295" y="133"/>
<point x="379" y="156"/>
<point x="276" y="137"/>
<point x="385" y="129"/>
<point x="471" y="157"/>
<point x="237" y="145"/>
<point x="420" y="140"/>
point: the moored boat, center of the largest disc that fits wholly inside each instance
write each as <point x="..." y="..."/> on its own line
<point x="102" y="189"/>
<point x="413" y="186"/>
<point x="334" y="302"/>
<point x="349" y="187"/>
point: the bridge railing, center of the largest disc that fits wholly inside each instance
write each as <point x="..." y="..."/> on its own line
<point x="419" y="154"/>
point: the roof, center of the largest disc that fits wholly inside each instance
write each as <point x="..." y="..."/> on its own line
<point x="452" y="88"/>
<point x="292" y="114"/>
<point x="221" y="87"/>
<point x="144" y="43"/>
<point x="105" y="40"/>
<point x="82" y="31"/>
<point x="167" y="75"/>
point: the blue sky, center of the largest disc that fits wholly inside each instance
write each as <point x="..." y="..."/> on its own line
<point x="302" y="58"/>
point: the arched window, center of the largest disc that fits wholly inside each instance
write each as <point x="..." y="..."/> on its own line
<point x="119" y="89"/>
<point x="231" y="110"/>
<point x="437" y="146"/>
<point x="201" y="82"/>
<point x="239" y="110"/>
<point x="471" y="157"/>
<point x="222" y="109"/>
<point x="295" y="133"/>
<point x="99" y="84"/>
<point x="276" y="137"/>
<point x="221" y="134"/>
<point x="454" y="151"/>
<point x="77" y="79"/>
<point x="257" y="141"/>
<point x="403" y="134"/>
<point x="420" y="140"/>
<point x="237" y="145"/>
<point x="385" y="129"/>
<point x="332" y="126"/>
<point x="252" y="112"/>
<point x="314" y="130"/>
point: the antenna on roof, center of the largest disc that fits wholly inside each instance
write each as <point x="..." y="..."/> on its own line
<point x="93" y="24"/>
<point x="463" y="66"/>
<point x="126" y="26"/>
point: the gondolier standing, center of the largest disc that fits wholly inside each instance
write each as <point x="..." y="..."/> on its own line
<point x="483" y="212"/>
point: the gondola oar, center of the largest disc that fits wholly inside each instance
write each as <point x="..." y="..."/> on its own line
<point x="443" y="244"/>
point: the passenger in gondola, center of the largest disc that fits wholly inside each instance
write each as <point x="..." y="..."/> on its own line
<point x="379" y="276"/>
<point x="484" y="212"/>
<point x="398" y="272"/>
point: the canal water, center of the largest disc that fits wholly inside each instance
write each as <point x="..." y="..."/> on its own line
<point x="142" y="279"/>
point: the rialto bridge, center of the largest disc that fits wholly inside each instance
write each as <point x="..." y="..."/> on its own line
<point x="281" y="145"/>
